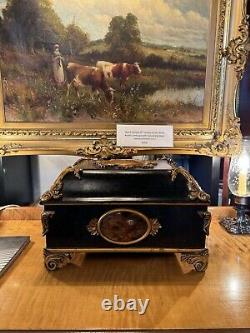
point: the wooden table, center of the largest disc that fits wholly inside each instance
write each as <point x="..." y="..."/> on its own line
<point x="32" y="298"/>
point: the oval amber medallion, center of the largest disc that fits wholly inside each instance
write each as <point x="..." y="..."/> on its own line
<point x="123" y="226"/>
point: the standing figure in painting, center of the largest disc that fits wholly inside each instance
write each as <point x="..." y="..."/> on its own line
<point x="57" y="66"/>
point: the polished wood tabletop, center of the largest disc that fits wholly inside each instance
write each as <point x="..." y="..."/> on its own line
<point x="70" y="298"/>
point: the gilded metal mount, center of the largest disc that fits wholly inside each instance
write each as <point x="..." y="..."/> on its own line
<point x="54" y="259"/>
<point x="46" y="216"/>
<point x="199" y="260"/>
<point x="125" y="164"/>
<point x="195" y="191"/>
<point x="206" y="216"/>
<point x="105" y="148"/>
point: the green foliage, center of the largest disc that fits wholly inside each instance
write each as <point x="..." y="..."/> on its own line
<point x="131" y="107"/>
<point x="115" y="35"/>
<point x="178" y="63"/>
<point x="28" y="24"/>
<point x="50" y="28"/>
<point x="124" y="39"/>
<point x="70" y="106"/>
<point x="76" y="39"/>
<point x="153" y="60"/>
<point x="131" y="29"/>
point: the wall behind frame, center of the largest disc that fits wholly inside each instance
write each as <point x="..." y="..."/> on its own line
<point x="45" y="169"/>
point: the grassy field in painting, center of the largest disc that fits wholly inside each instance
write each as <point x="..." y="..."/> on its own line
<point x="170" y="88"/>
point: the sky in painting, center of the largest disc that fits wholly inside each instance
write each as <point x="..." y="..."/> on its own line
<point x="173" y="22"/>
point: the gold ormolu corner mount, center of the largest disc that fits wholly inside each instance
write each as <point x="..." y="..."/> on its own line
<point x="55" y="192"/>
<point x="206" y="216"/>
<point x="195" y="191"/>
<point x="199" y="260"/>
<point x="54" y="260"/>
<point x="46" y="216"/>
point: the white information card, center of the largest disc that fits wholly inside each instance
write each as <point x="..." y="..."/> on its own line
<point x="154" y="136"/>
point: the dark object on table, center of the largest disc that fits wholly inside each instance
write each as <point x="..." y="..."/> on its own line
<point x="10" y="192"/>
<point x="239" y="225"/>
<point x="116" y="208"/>
<point x="10" y="249"/>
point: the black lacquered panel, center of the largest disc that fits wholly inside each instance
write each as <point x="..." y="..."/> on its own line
<point x="132" y="185"/>
<point x="182" y="226"/>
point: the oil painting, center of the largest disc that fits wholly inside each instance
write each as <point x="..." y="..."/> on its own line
<point x="71" y="71"/>
<point x="81" y="61"/>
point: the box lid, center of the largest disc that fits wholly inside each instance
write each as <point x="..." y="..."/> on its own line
<point x="79" y="185"/>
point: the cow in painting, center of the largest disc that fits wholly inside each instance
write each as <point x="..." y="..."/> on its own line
<point x="80" y="76"/>
<point x="120" y="71"/>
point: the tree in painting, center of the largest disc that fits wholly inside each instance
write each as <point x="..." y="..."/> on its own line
<point x="28" y="24"/>
<point x="76" y="39"/>
<point x="124" y="38"/>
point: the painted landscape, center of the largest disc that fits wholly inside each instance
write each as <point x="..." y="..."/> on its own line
<point x="103" y="61"/>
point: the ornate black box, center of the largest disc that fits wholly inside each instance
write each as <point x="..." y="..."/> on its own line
<point x="114" y="207"/>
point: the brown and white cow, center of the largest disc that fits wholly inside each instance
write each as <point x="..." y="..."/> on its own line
<point x="106" y="67"/>
<point x="121" y="71"/>
<point x="80" y="76"/>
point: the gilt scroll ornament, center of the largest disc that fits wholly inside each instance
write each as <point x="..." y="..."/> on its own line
<point x="236" y="52"/>
<point x="195" y="191"/>
<point x="54" y="260"/>
<point x="105" y="148"/>
<point x="223" y="144"/>
<point x="199" y="260"/>
<point x="46" y="217"/>
<point x="206" y="216"/>
<point x="10" y="148"/>
<point x="55" y="191"/>
<point x="92" y="227"/>
<point x="125" y="164"/>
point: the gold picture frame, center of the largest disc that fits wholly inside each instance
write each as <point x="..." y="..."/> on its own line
<point x="217" y="134"/>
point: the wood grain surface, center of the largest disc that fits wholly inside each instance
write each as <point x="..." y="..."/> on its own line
<point x="21" y="213"/>
<point x="180" y="298"/>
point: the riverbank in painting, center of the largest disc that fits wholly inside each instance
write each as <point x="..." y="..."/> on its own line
<point x="169" y="89"/>
<point x="158" y="94"/>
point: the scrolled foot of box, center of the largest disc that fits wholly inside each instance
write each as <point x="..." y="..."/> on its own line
<point x="54" y="260"/>
<point x="199" y="259"/>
